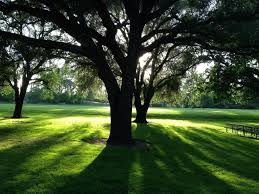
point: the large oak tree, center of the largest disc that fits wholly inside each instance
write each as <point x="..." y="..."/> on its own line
<point x="95" y="30"/>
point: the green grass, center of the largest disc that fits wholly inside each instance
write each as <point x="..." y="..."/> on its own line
<point x="191" y="152"/>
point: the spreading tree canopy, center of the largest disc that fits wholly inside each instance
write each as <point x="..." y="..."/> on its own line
<point x="100" y="29"/>
<point x="234" y="75"/>
<point x="22" y="64"/>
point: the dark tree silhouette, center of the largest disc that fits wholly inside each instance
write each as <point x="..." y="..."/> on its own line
<point x="96" y="28"/>
<point x="24" y="63"/>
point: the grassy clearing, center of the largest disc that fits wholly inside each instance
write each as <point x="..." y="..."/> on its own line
<point x="191" y="152"/>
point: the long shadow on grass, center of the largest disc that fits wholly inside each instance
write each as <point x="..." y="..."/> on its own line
<point x="232" y="153"/>
<point x="108" y="173"/>
<point x="14" y="127"/>
<point x="39" y="165"/>
<point x="181" y="160"/>
<point x="171" y="167"/>
<point x="13" y="159"/>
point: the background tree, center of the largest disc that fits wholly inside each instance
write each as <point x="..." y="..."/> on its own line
<point x="193" y="92"/>
<point x="24" y="64"/>
<point x="70" y="83"/>
<point x="162" y="69"/>
<point x="234" y="78"/>
<point x="94" y="29"/>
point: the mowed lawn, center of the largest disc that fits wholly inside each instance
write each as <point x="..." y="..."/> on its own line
<point x="190" y="153"/>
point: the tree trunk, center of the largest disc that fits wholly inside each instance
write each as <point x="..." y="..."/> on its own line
<point x="141" y="116"/>
<point x="18" y="108"/>
<point x="19" y="100"/>
<point x="120" y="133"/>
<point x="121" y="114"/>
<point x="142" y="109"/>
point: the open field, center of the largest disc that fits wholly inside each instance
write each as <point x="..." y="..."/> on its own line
<point x="191" y="152"/>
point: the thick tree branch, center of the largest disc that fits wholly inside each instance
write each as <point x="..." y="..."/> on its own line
<point x="70" y="26"/>
<point x="166" y="80"/>
<point x="48" y="44"/>
<point x="165" y="60"/>
<point x="159" y="12"/>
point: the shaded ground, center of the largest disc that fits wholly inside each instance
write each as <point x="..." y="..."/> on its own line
<point x="190" y="153"/>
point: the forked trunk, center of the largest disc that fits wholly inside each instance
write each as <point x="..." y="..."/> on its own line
<point x="141" y="109"/>
<point x="19" y="100"/>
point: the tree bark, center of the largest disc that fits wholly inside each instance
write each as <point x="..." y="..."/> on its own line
<point x="141" y="116"/>
<point x="18" y="108"/>
<point x="141" y="109"/>
<point x="120" y="132"/>
<point x="19" y="100"/>
<point x="121" y="114"/>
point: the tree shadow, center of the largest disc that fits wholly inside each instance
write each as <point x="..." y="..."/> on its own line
<point x="20" y="128"/>
<point x="173" y="165"/>
<point x="181" y="160"/>
<point x="13" y="159"/>
<point x="234" y="154"/>
<point x="39" y="165"/>
<point x="108" y="173"/>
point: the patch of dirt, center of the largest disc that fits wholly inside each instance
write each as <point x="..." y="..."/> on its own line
<point x="138" y="143"/>
<point x="95" y="141"/>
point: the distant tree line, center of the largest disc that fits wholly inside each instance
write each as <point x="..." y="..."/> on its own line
<point x="221" y="86"/>
<point x="211" y="89"/>
<point x="61" y="86"/>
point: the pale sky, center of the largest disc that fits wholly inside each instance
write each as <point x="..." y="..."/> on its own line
<point x="201" y="68"/>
